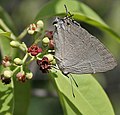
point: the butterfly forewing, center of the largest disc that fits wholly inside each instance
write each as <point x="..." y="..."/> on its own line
<point x="77" y="51"/>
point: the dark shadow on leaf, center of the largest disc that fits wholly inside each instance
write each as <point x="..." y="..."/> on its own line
<point x="72" y="105"/>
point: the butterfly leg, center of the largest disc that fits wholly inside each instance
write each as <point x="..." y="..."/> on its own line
<point x="71" y="87"/>
<point x="74" y="81"/>
<point x="57" y="58"/>
<point x="56" y="67"/>
<point x="71" y="78"/>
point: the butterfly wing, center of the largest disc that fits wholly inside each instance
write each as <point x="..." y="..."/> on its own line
<point x="80" y="52"/>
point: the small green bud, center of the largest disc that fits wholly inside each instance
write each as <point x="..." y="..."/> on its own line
<point x="40" y="24"/>
<point x="15" y="44"/>
<point x="29" y="75"/>
<point x="18" y="61"/>
<point x="8" y="73"/>
<point x="50" y="57"/>
<point x="45" y="41"/>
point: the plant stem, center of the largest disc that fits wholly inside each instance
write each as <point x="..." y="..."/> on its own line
<point x="25" y="57"/>
<point x="37" y="41"/>
<point x="30" y="60"/>
<point x="16" y="69"/>
<point x="4" y="26"/>
<point x="22" y="34"/>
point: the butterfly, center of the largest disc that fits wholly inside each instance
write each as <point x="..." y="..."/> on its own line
<point x="77" y="51"/>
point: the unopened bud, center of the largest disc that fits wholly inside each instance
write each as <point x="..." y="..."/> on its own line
<point x="15" y="44"/>
<point x="8" y="73"/>
<point x="18" y="61"/>
<point x="29" y="75"/>
<point x="31" y="32"/>
<point x="45" y="41"/>
<point x="40" y="24"/>
<point x="50" y="57"/>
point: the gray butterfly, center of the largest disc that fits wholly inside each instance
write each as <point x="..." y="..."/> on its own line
<point x="77" y="51"/>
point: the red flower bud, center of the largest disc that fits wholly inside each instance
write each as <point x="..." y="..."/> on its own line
<point x="34" y="50"/>
<point x="6" y="61"/>
<point x="49" y="34"/>
<point x="21" y="76"/>
<point x="51" y="44"/>
<point x="44" y="64"/>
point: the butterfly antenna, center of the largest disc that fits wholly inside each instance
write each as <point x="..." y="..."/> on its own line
<point x="67" y="12"/>
<point x="66" y="9"/>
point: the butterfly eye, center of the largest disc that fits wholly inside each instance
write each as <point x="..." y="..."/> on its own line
<point x="68" y="23"/>
<point x="55" y="22"/>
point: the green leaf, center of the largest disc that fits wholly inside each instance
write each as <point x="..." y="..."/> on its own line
<point x="6" y="99"/>
<point x="21" y="97"/>
<point x="81" y="12"/>
<point x="2" y="33"/>
<point x="7" y="19"/>
<point x="5" y="44"/>
<point x="68" y="107"/>
<point x="90" y="98"/>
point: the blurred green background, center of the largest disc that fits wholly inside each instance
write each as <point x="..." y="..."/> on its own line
<point x="44" y="100"/>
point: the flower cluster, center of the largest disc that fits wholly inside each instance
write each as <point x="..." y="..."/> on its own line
<point x="46" y="62"/>
<point x="43" y="55"/>
<point x="7" y="73"/>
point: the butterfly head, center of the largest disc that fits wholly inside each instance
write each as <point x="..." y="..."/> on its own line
<point x="57" y="22"/>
